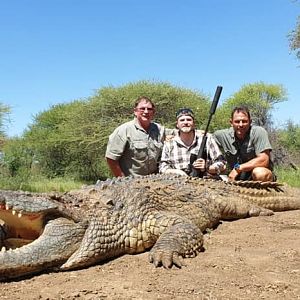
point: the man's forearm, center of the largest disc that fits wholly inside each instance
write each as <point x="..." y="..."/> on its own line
<point x="260" y="161"/>
<point x="115" y="167"/>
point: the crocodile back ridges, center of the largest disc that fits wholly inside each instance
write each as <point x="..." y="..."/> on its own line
<point x="277" y="186"/>
<point x="274" y="190"/>
<point x="272" y="195"/>
<point x="103" y="184"/>
<point x="254" y="191"/>
<point x="121" y="181"/>
<point x="248" y="187"/>
<point x="239" y="183"/>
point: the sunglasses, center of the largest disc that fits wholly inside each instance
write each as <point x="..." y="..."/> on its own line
<point x="144" y="108"/>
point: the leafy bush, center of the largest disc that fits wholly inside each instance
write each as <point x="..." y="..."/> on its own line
<point x="259" y="97"/>
<point x="290" y="136"/>
<point x="70" y="139"/>
<point x="289" y="176"/>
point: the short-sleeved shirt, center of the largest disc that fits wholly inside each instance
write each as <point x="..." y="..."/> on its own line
<point x="137" y="150"/>
<point x="176" y="155"/>
<point x="236" y="151"/>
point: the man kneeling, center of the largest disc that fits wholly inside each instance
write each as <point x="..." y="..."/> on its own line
<point x="246" y="148"/>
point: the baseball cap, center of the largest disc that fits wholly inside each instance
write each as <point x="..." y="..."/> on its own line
<point x="184" y="112"/>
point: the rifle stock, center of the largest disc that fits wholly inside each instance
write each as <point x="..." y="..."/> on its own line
<point x="195" y="172"/>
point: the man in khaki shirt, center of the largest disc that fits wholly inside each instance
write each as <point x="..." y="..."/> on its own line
<point x="246" y="148"/>
<point x="134" y="148"/>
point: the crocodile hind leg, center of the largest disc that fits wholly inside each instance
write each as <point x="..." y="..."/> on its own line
<point x="237" y="208"/>
<point x="180" y="240"/>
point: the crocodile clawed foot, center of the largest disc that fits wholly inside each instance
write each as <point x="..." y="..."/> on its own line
<point x="164" y="258"/>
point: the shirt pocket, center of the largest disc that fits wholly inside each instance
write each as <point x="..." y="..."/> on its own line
<point x="140" y="150"/>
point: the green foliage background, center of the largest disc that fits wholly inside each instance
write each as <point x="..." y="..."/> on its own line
<point x="260" y="99"/>
<point x="69" y="140"/>
<point x="294" y="38"/>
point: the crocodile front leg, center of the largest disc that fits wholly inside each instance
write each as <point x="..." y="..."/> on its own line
<point x="180" y="240"/>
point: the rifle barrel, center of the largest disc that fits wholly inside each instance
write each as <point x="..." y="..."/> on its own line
<point x="197" y="173"/>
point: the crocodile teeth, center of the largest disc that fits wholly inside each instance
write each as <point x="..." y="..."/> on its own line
<point x="3" y="249"/>
<point x="19" y="215"/>
<point x="6" y="207"/>
<point x="13" y="212"/>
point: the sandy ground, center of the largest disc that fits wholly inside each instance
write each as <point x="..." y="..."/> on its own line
<point x="256" y="258"/>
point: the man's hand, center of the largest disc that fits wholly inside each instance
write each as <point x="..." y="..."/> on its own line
<point x="169" y="138"/>
<point x="199" y="164"/>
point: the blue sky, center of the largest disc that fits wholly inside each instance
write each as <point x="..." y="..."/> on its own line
<point x="57" y="51"/>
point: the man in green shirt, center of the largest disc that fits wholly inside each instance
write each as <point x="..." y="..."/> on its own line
<point x="246" y="148"/>
<point x="134" y="148"/>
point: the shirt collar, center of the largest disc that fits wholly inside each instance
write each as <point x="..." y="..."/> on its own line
<point x="179" y="141"/>
<point x="232" y="135"/>
<point x="138" y="125"/>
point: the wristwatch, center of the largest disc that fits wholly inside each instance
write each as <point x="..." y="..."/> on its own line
<point x="237" y="167"/>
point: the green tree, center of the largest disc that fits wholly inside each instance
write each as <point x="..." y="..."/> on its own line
<point x="4" y="112"/>
<point x="286" y="145"/>
<point x="290" y="136"/>
<point x="259" y="97"/>
<point x="48" y="139"/>
<point x="70" y="139"/>
<point x="17" y="157"/>
<point x="294" y="39"/>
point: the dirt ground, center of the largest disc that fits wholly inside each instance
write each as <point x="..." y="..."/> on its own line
<point x="256" y="258"/>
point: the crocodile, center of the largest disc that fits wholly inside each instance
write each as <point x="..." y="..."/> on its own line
<point x="165" y="215"/>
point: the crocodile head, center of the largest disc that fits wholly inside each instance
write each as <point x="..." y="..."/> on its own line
<point x="22" y="221"/>
<point x="35" y="234"/>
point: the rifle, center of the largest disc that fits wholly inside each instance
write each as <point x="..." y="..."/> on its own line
<point x="195" y="172"/>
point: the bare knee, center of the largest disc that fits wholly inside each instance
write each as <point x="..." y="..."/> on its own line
<point x="262" y="174"/>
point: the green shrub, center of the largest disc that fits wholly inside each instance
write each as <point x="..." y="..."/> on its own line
<point x="70" y="139"/>
<point x="289" y="176"/>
